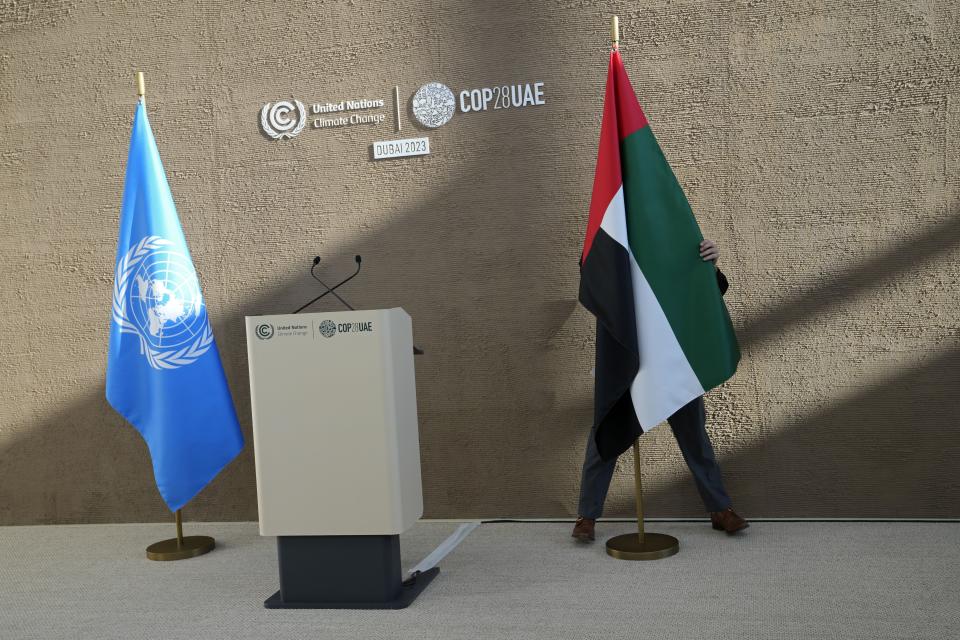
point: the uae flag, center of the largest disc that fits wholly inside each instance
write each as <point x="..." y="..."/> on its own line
<point x="663" y="332"/>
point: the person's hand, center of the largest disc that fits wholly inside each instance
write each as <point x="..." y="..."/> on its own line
<point x="709" y="251"/>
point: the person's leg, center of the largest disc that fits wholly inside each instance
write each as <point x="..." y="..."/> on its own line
<point x="689" y="425"/>
<point x="594" y="481"/>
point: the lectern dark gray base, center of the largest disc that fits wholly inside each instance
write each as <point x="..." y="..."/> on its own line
<point x="344" y="572"/>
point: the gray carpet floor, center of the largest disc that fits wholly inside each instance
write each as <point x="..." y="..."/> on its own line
<point x="779" y="580"/>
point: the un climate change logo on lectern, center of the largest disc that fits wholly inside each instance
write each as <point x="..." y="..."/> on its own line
<point x="282" y="119"/>
<point x="156" y="296"/>
<point x="264" y="331"/>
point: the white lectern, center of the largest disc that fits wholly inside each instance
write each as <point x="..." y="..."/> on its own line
<point x="337" y="454"/>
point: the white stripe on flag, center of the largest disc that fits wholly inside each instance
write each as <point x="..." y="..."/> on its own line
<point x="666" y="380"/>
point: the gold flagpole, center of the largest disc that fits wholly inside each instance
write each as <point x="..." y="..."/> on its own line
<point x="638" y="488"/>
<point x="640" y="545"/>
<point x="181" y="547"/>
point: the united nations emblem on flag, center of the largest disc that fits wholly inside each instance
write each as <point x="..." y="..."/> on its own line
<point x="282" y="120"/>
<point x="156" y="296"/>
<point x="164" y="373"/>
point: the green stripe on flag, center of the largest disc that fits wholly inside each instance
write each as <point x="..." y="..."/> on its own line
<point x="664" y="238"/>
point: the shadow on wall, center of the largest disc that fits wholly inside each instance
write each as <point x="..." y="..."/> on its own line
<point x="929" y="245"/>
<point x="426" y="260"/>
<point x="509" y="442"/>
<point x="885" y="451"/>
<point x="40" y="481"/>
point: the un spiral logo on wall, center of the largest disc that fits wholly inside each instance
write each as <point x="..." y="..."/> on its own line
<point x="327" y="328"/>
<point x="264" y="331"/>
<point x="282" y="120"/>
<point x="434" y="105"/>
<point x="156" y="295"/>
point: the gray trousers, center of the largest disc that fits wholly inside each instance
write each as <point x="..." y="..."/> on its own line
<point x="689" y="428"/>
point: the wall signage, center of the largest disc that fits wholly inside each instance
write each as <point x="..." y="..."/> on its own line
<point x="401" y="148"/>
<point x="507" y="96"/>
<point x="285" y="119"/>
<point x="433" y="105"/>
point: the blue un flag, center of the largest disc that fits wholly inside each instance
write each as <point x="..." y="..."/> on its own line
<point x="163" y="372"/>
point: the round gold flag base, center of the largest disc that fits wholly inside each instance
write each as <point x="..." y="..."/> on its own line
<point x="180" y="549"/>
<point x="654" y="546"/>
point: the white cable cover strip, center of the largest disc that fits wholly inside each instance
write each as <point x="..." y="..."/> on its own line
<point x="448" y="545"/>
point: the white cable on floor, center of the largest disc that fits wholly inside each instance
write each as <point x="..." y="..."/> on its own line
<point x="448" y="545"/>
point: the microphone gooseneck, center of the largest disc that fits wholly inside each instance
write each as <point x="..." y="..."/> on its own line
<point x="316" y="261"/>
<point x="332" y="289"/>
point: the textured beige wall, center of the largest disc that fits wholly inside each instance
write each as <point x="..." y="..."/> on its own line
<point x="818" y="143"/>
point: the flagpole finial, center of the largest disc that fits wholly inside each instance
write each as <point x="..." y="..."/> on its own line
<point x="615" y="32"/>
<point x="141" y="85"/>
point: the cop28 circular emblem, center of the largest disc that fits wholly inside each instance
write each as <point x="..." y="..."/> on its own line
<point x="327" y="328"/>
<point x="434" y="105"/>
<point x="156" y="296"/>
<point x="282" y="120"/>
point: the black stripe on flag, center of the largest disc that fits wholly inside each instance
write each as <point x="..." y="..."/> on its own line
<point x="606" y="290"/>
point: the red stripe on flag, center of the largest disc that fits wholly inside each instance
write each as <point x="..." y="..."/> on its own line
<point x="622" y="116"/>
<point x="630" y="117"/>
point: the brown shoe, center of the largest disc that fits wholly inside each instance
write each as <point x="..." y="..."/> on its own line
<point x="728" y="520"/>
<point x="583" y="529"/>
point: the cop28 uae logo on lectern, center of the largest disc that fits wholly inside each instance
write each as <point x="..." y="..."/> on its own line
<point x="328" y="329"/>
<point x="282" y="120"/>
<point x="156" y="296"/>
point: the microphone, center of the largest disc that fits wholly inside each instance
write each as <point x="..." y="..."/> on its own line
<point x="417" y="351"/>
<point x="332" y="289"/>
<point x="357" y="259"/>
